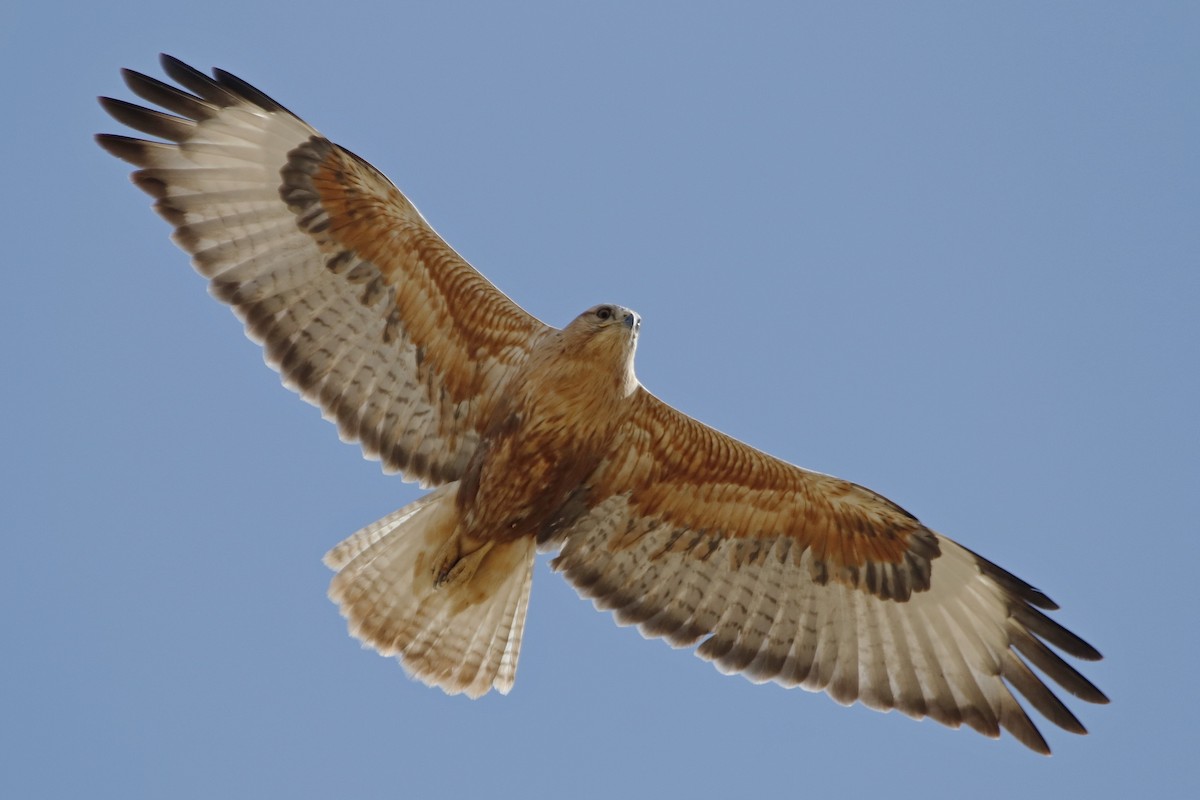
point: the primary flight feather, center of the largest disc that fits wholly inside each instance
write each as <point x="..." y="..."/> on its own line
<point x="540" y="438"/>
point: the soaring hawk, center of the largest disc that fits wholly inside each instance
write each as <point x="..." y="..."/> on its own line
<point x="543" y="439"/>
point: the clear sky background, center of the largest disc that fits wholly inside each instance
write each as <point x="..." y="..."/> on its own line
<point x="946" y="250"/>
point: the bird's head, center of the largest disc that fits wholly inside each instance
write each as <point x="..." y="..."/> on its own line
<point x="608" y="323"/>
<point x="606" y="332"/>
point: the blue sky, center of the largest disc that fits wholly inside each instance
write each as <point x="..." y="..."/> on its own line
<point x="946" y="250"/>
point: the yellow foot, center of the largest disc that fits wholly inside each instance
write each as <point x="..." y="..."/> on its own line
<point x="449" y="567"/>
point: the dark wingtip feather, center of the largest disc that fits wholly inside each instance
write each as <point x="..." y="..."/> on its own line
<point x="146" y="120"/>
<point x="1014" y="720"/>
<point x="1055" y="667"/>
<point x="170" y="212"/>
<point x="125" y="148"/>
<point x="1018" y="675"/>
<point x="183" y="73"/>
<point x="248" y="92"/>
<point x="167" y="96"/>
<point x="1015" y="585"/>
<point x="149" y="183"/>
<point x="194" y="80"/>
<point x="1055" y="634"/>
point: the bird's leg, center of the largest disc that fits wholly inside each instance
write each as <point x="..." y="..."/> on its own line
<point x="451" y="566"/>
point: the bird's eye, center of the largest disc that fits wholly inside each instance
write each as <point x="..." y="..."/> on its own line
<point x="604" y="312"/>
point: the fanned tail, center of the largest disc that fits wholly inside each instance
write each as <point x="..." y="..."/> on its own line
<point x="462" y="634"/>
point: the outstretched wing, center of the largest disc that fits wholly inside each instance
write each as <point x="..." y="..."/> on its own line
<point x="803" y="579"/>
<point x="358" y="302"/>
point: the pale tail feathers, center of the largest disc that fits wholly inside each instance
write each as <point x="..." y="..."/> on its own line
<point x="461" y="636"/>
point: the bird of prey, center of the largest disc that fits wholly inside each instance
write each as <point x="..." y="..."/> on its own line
<point x="535" y="438"/>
